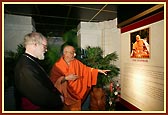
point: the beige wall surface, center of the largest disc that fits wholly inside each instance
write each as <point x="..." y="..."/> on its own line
<point x="142" y="79"/>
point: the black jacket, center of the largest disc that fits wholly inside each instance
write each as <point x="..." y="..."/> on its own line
<point x="33" y="84"/>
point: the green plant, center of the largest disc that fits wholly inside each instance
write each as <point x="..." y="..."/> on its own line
<point x="70" y="38"/>
<point x="52" y="55"/>
<point x="113" y="92"/>
<point x="94" y="58"/>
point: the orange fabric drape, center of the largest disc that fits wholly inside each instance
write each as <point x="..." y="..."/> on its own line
<point x="73" y="91"/>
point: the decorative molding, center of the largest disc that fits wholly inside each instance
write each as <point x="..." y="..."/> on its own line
<point x="151" y="19"/>
<point x="130" y="20"/>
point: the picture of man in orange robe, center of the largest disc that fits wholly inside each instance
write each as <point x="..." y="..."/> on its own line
<point x="72" y="78"/>
<point x="140" y="48"/>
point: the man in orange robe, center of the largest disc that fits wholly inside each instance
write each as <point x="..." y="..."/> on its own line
<point x="140" y="48"/>
<point x="72" y="78"/>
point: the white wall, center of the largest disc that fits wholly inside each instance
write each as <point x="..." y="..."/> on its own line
<point x="90" y="34"/>
<point x="142" y="80"/>
<point x="15" y="28"/>
<point x="103" y="34"/>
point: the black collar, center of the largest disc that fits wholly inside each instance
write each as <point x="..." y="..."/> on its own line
<point x="32" y="57"/>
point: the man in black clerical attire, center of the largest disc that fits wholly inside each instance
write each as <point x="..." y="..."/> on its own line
<point x="34" y="89"/>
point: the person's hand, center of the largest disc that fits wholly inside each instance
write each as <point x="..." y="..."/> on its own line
<point x="71" y="77"/>
<point x="103" y="71"/>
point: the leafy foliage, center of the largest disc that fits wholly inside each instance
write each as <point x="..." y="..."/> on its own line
<point x="113" y="93"/>
<point x="51" y="56"/>
<point x="94" y="58"/>
<point x="70" y="38"/>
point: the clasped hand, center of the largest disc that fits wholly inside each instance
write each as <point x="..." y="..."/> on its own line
<point x="71" y="77"/>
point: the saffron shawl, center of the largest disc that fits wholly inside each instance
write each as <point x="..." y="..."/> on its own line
<point x="73" y="91"/>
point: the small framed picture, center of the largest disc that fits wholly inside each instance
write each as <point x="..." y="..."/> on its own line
<point x="140" y="46"/>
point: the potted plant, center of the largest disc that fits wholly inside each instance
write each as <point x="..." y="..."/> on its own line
<point x="110" y="89"/>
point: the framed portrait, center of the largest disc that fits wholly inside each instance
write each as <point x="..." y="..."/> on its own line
<point x="140" y="46"/>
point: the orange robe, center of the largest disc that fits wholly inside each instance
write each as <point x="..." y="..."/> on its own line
<point x="73" y="91"/>
<point x="141" y="49"/>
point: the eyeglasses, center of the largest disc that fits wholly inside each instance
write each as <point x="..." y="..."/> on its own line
<point x="45" y="46"/>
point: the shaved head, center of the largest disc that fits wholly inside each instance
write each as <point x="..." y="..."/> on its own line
<point x="68" y="48"/>
<point x="69" y="53"/>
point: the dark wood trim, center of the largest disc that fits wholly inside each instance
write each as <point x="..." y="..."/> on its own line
<point x="151" y="19"/>
<point x="128" y="105"/>
<point x="130" y="20"/>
